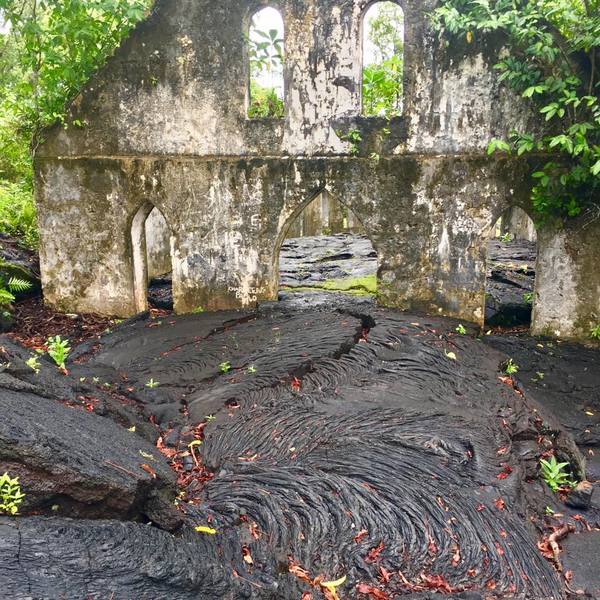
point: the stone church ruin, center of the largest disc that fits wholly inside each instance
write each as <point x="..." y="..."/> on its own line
<point x="165" y="134"/>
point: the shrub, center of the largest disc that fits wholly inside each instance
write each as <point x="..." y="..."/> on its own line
<point x="11" y="496"/>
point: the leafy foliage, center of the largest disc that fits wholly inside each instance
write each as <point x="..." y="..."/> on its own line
<point x="595" y="332"/>
<point x="553" y="60"/>
<point x="555" y="474"/>
<point x="18" y="215"/>
<point x="11" y="496"/>
<point x="58" y="349"/>
<point x="264" y="102"/>
<point x="9" y="288"/>
<point x="59" y="44"/>
<point x="383" y="76"/>
<point x="51" y="49"/>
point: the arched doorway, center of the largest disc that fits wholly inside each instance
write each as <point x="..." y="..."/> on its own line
<point x="325" y="251"/>
<point x="511" y="271"/>
<point x="152" y="266"/>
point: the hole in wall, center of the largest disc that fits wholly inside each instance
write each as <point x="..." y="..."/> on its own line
<point x="326" y="251"/>
<point x="511" y="264"/>
<point x="266" y="56"/>
<point x="383" y="60"/>
<point x="151" y="239"/>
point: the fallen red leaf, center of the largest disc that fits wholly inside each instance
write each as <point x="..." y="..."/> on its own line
<point x="360" y="535"/>
<point x="373" y="554"/>
<point x="385" y="575"/>
<point x="295" y="569"/>
<point x="437" y="583"/>
<point x="506" y="471"/>
<point x="375" y="593"/>
<point x="149" y="470"/>
<point x="500" y="504"/>
<point x="455" y="555"/>
<point x="247" y="556"/>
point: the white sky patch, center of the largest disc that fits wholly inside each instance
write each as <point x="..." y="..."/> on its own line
<point x="370" y="53"/>
<point x="4" y="25"/>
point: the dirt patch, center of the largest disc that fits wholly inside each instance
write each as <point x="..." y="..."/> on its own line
<point x="35" y="323"/>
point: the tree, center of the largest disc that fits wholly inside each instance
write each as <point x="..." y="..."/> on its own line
<point x="553" y="60"/>
<point x="50" y="50"/>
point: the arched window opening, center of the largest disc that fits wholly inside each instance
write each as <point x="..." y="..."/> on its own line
<point x="510" y="286"/>
<point x="265" y="51"/>
<point x="326" y="251"/>
<point x="383" y="60"/>
<point x="151" y="239"/>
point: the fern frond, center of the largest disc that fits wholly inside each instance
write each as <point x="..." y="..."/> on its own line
<point x="15" y="284"/>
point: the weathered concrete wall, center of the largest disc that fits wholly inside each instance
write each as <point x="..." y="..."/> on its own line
<point x="567" y="290"/>
<point x="229" y="218"/>
<point x="164" y="125"/>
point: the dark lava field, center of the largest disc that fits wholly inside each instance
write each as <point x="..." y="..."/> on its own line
<point x="345" y="451"/>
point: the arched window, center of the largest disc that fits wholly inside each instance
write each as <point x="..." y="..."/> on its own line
<point x="511" y="270"/>
<point x="152" y="267"/>
<point x="265" y="51"/>
<point x="324" y="249"/>
<point x="383" y="60"/>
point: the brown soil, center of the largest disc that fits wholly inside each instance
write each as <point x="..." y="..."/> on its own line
<point x="35" y="323"/>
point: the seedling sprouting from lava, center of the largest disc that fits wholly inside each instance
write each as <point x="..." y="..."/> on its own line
<point x="225" y="367"/>
<point x="34" y="364"/>
<point x="510" y="368"/>
<point x="461" y="329"/>
<point x="10" y="495"/>
<point x="58" y="350"/>
<point x="555" y="474"/>
<point x="152" y="384"/>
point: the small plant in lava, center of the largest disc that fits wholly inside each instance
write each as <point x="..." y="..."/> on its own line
<point x="595" y="332"/>
<point x="507" y="237"/>
<point x="251" y="370"/>
<point x="198" y="310"/>
<point x="528" y="297"/>
<point x="11" y="496"/>
<point x="461" y="330"/>
<point x="58" y="349"/>
<point x="510" y="368"/>
<point x="152" y="384"/>
<point x="556" y="474"/>
<point x="33" y="363"/>
<point x="225" y="367"/>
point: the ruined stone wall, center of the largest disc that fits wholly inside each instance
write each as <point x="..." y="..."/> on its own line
<point x="165" y="123"/>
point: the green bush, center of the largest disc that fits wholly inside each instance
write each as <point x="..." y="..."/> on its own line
<point x="264" y="103"/>
<point x="18" y="215"/>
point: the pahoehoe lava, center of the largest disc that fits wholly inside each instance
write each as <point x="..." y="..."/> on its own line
<point x="348" y="443"/>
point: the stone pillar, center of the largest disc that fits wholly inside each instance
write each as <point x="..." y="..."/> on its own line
<point x="567" y="287"/>
<point x="158" y="245"/>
